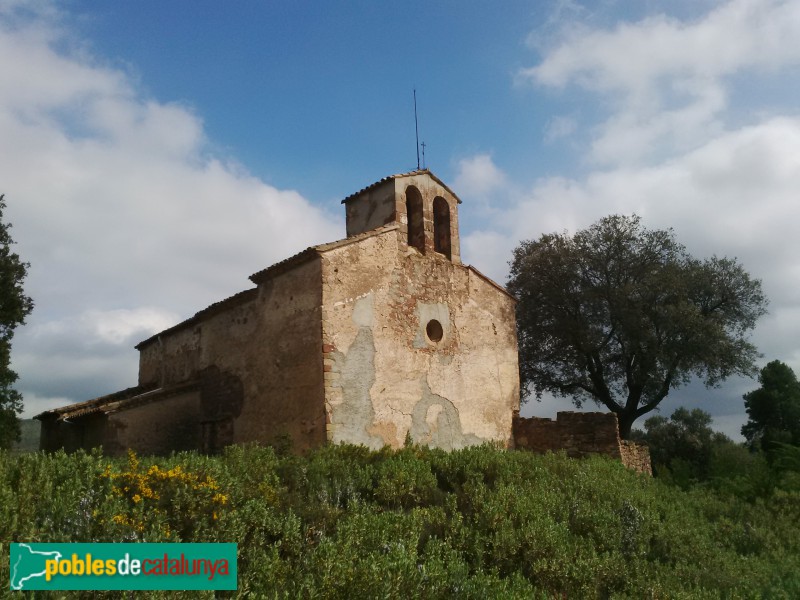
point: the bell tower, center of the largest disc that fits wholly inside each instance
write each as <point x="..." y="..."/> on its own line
<point x="425" y="209"/>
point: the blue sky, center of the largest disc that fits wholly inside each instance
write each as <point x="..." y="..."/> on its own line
<point x="155" y="154"/>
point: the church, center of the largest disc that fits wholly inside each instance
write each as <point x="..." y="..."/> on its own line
<point x="376" y="338"/>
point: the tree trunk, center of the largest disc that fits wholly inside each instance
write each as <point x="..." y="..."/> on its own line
<point x="625" y="420"/>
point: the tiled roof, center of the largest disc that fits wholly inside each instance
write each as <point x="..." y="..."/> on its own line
<point x="134" y="396"/>
<point x="80" y="409"/>
<point x="398" y="176"/>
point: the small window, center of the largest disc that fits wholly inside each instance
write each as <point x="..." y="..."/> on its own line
<point x="434" y="330"/>
<point x="416" y="228"/>
<point x="441" y="226"/>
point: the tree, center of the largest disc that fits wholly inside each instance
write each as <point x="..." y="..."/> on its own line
<point x="621" y="315"/>
<point x="14" y="307"/>
<point x="773" y="410"/>
<point x="683" y="443"/>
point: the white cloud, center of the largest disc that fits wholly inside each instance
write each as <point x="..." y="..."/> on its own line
<point x="83" y="355"/>
<point x="114" y="327"/>
<point x="117" y="203"/>
<point x="635" y="56"/>
<point x="559" y="127"/>
<point x="478" y="176"/>
<point x="666" y="80"/>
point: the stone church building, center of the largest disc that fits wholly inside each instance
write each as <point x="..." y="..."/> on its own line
<point x="378" y="336"/>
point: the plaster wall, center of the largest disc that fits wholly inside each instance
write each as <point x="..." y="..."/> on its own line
<point x="385" y="377"/>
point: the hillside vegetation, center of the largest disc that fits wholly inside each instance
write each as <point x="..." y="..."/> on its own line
<point x="346" y="522"/>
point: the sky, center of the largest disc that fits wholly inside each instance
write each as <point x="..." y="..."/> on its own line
<point x="155" y="154"/>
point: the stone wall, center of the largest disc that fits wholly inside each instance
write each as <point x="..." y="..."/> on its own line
<point x="258" y="357"/>
<point x="384" y="203"/>
<point x="371" y="208"/>
<point x="159" y="427"/>
<point x="429" y="190"/>
<point x="580" y="434"/>
<point x="636" y="456"/>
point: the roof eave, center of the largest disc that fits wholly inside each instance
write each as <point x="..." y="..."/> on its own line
<point x="400" y="176"/>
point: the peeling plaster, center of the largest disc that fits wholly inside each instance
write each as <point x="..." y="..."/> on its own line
<point x="436" y="422"/>
<point x="355" y="416"/>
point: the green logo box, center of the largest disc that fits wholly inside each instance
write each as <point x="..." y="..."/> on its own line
<point x="123" y="566"/>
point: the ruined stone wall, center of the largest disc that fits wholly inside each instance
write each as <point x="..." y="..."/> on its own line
<point x="580" y="434"/>
<point x="384" y="375"/>
<point x="636" y="456"/>
<point x="266" y="346"/>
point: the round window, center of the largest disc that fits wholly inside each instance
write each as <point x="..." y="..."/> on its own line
<point x="434" y="330"/>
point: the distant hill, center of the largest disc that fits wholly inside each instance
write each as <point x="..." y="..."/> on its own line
<point x="30" y="436"/>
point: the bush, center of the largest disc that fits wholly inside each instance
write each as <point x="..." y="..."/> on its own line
<point x="416" y="522"/>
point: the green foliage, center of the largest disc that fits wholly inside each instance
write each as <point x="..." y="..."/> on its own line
<point x="773" y="410"/>
<point x="417" y="522"/>
<point x="686" y="453"/>
<point x="682" y="445"/>
<point x="14" y="307"/>
<point x="620" y="315"/>
<point x="738" y="471"/>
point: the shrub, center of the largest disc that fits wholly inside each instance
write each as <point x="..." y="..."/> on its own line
<point x="474" y="523"/>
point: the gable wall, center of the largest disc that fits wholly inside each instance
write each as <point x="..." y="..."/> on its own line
<point x="384" y="378"/>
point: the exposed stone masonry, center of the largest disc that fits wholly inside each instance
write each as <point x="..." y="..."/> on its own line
<point x="580" y="434"/>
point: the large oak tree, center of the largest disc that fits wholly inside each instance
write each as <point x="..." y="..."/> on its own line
<point x="620" y="314"/>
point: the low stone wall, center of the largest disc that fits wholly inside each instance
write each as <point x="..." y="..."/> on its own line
<point x="636" y="456"/>
<point x="580" y="434"/>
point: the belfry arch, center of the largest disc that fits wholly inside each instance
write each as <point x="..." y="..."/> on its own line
<point x="415" y="215"/>
<point x="441" y="226"/>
